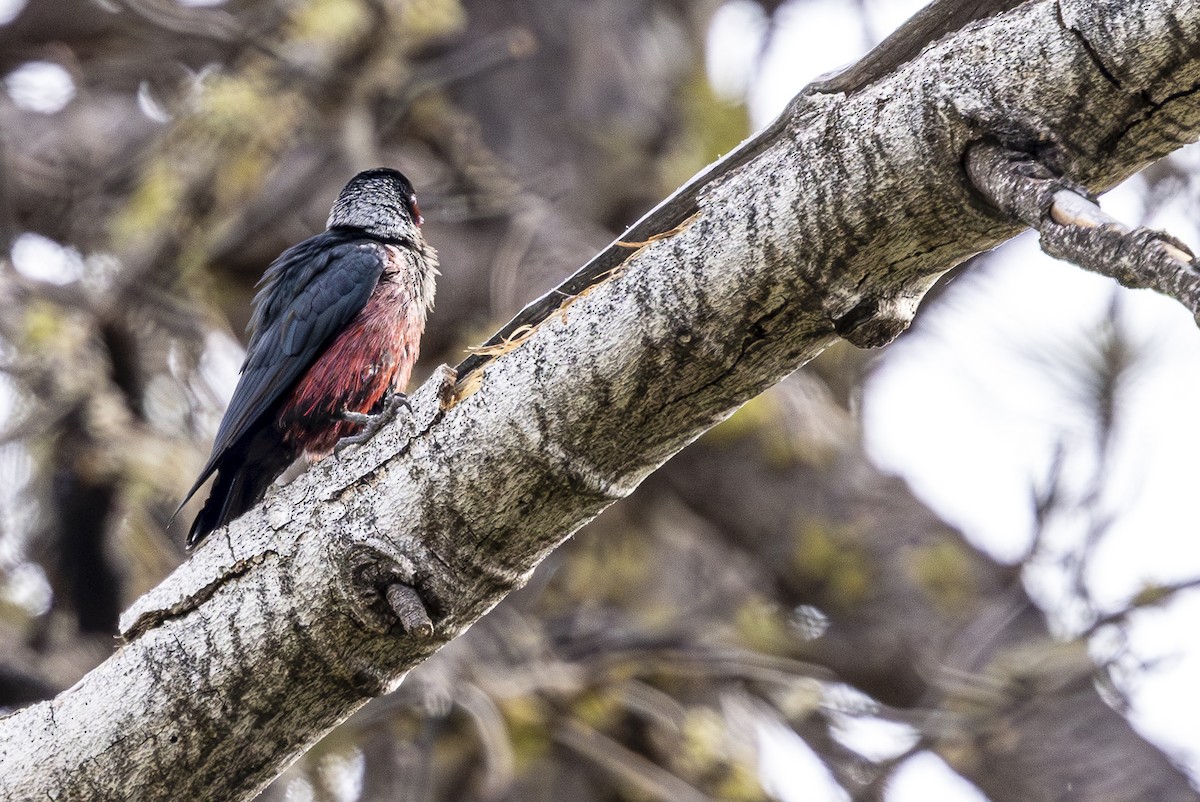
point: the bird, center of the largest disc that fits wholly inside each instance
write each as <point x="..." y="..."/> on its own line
<point x="333" y="337"/>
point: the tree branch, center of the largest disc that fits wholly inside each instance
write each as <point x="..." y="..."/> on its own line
<point x="1074" y="228"/>
<point x="833" y="223"/>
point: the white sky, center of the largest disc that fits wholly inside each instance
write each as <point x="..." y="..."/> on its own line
<point x="9" y="9"/>
<point x="957" y="409"/>
<point x="41" y="86"/>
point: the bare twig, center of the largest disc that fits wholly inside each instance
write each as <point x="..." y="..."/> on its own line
<point x="1074" y="228"/>
<point x="650" y="779"/>
<point x="1149" y="596"/>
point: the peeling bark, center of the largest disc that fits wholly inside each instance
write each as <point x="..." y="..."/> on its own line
<point x="833" y="223"/>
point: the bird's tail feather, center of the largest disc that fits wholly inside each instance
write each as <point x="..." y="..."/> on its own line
<point x="240" y="484"/>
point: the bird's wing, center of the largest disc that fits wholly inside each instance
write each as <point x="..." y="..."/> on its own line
<point x="308" y="295"/>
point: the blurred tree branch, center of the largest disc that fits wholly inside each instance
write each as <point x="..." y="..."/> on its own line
<point x="943" y="636"/>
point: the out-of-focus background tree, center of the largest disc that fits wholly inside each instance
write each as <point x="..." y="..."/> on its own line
<point x="771" y="616"/>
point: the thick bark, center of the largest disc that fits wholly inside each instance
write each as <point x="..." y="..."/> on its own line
<point x="846" y="213"/>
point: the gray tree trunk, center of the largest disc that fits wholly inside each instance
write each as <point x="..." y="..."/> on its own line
<point x="832" y="223"/>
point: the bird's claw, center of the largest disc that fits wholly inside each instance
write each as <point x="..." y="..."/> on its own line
<point x="374" y="422"/>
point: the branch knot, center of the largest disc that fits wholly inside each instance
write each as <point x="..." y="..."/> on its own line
<point x="381" y="590"/>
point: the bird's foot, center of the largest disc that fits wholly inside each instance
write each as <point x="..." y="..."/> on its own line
<point x="392" y="403"/>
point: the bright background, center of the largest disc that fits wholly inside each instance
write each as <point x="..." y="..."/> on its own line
<point x="971" y="406"/>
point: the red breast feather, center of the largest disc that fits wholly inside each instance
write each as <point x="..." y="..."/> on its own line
<point x="374" y="353"/>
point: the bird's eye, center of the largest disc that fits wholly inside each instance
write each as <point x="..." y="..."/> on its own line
<point x="415" y="210"/>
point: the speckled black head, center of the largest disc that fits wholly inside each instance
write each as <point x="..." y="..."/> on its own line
<point x="380" y="203"/>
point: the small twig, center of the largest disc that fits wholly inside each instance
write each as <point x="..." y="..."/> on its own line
<point x="1074" y="228"/>
<point x="877" y="787"/>
<point x="489" y="53"/>
<point x="410" y="610"/>
<point x="1046" y="502"/>
<point x="1150" y="596"/>
<point x="212" y="24"/>
<point x="647" y="777"/>
<point x="709" y="663"/>
<point x="499" y="757"/>
<point x="1071" y="209"/>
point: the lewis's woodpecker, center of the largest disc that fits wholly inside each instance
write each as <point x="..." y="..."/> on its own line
<point x="333" y="337"/>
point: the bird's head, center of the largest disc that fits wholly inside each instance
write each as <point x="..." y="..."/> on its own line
<point x="380" y="203"/>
